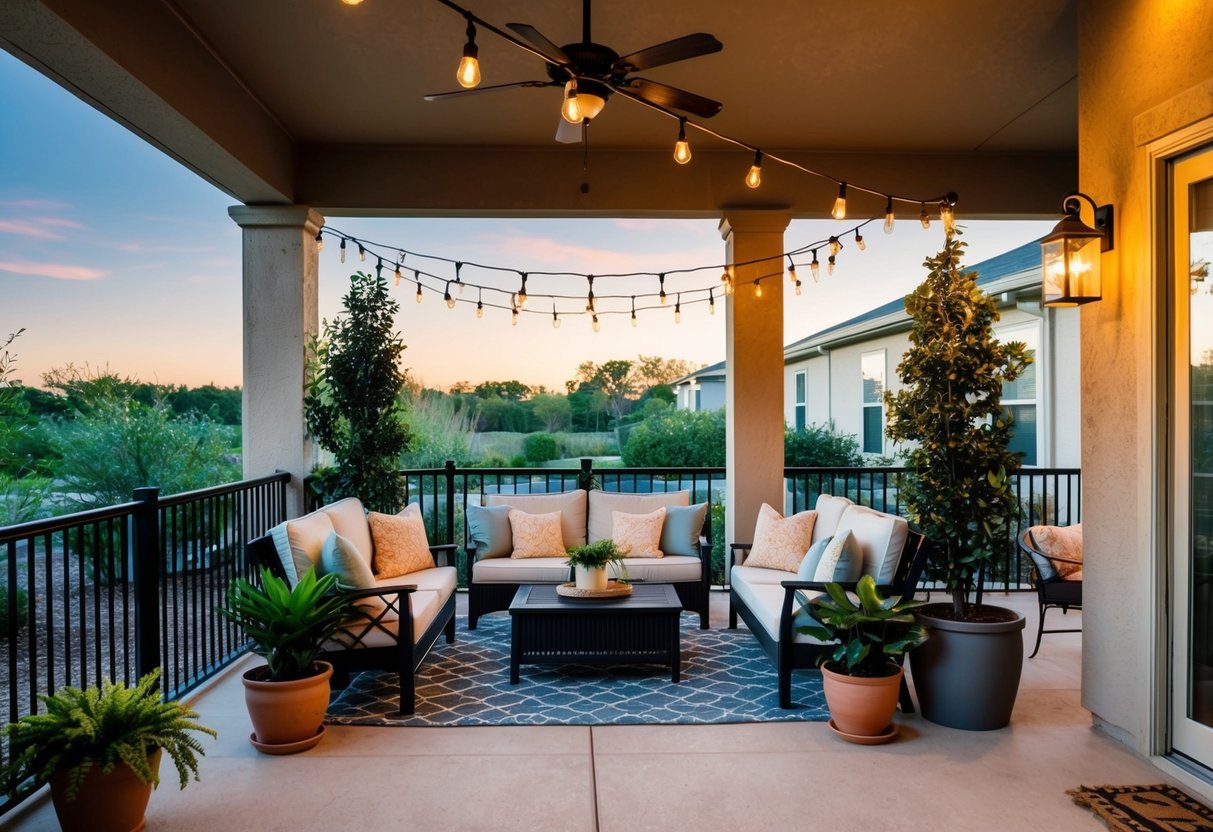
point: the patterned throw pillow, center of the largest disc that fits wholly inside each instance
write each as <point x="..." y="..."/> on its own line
<point x="638" y="535"/>
<point x="1061" y="542"/>
<point x="841" y="561"/>
<point x="401" y="545"/>
<point x="536" y="535"/>
<point x="781" y="542"/>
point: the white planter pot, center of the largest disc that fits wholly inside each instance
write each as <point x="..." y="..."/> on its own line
<point x="590" y="578"/>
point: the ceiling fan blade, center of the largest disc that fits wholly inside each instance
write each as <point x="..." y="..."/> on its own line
<point x="553" y="52"/>
<point x="567" y="133"/>
<point x="664" y="95"/>
<point x="679" y="49"/>
<point x="442" y="96"/>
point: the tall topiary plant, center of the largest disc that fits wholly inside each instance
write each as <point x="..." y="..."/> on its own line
<point x="960" y="493"/>
<point x="353" y="400"/>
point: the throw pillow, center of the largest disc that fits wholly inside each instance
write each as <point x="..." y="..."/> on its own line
<point x="602" y="503"/>
<point x="781" y="542"/>
<point x="536" y="535"/>
<point x="841" y="560"/>
<point x="489" y="529"/>
<point x="1061" y="542"/>
<point x="401" y="545"/>
<point x="570" y="504"/>
<point x="638" y="535"/>
<point x="341" y="557"/>
<point x="680" y="533"/>
<point x="808" y="566"/>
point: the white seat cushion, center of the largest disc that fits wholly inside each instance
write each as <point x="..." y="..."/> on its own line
<point x="602" y="503"/>
<point x="440" y="579"/>
<point x="668" y="569"/>
<point x="765" y="601"/>
<point x="349" y="521"/>
<point x="524" y="571"/>
<point x="829" y="511"/>
<point x="424" y="607"/>
<point x="758" y="575"/>
<point x="570" y="504"/>
<point x="882" y="537"/>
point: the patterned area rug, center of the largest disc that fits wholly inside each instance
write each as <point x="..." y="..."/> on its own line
<point x="1145" y="808"/>
<point x="725" y="678"/>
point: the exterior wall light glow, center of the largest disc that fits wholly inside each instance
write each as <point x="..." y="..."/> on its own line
<point x="1072" y="252"/>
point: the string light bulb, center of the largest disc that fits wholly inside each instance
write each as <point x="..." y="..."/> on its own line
<point x="418" y="279"/>
<point x="754" y="178"/>
<point x="815" y="267"/>
<point x="835" y="246"/>
<point x="758" y="288"/>
<point x="343" y="249"/>
<point x="480" y="303"/>
<point x="839" y="212"/>
<point x="678" y="309"/>
<point x="682" y="148"/>
<point x="571" y="109"/>
<point x="859" y="243"/>
<point x="397" y="276"/>
<point x="513" y="316"/>
<point x="594" y="324"/>
<point x="633" y="311"/>
<point x="362" y="253"/>
<point x="468" y="73"/>
<point x="797" y="287"/>
<point x="947" y="215"/>
<point x="711" y="303"/>
<point x="555" y="318"/>
<point x="830" y="264"/>
<point x="522" y="296"/>
<point x="727" y="282"/>
<point x="661" y="294"/>
<point x="320" y="241"/>
<point x="888" y="216"/>
<point x="450" y="301"/>
<point x="792" y="272"/>
<point x="924" y="217"/>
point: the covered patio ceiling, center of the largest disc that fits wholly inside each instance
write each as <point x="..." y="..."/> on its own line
<point x="320" y="103"/>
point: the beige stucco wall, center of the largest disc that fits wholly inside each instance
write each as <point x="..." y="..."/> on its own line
<point x="1134" y="55"/>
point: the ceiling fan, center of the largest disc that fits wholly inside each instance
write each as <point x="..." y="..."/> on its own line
<point x="590" y="72"/>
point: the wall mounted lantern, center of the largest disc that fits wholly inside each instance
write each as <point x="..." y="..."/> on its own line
<point x="1071" y="254"/>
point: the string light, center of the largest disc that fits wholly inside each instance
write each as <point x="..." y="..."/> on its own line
<point x="678" y="308"/>
<point x="594" y="324"/>
<point x="792" y="271"/>
<point x="468" y="73"/>
<point x="727" y="282"/>
<point x="450" y="301"/>
<point x="633" y="311"/>
<point x="555" y="318"/>
<point x="947" y="214"/>
<point x="711" y="303"/>
<point x="798" y="287"/>
<point x="758" y="288"/>
<point x="480" y="304"/>
<point x="754" y="178"/>
<point x="362" y="252"/>
<point x="589" y="301"/>
<point x="513" y="316"/>
<point x="522" y="291"/>
<point x="830" y="264"/>
<point x="815" y="267"/>
<point x="888" y="216"/>
<point x="839" y="211"/>
<point x="458" y="279"/>
<point x="835" y="246"/>
<point x="397" y="275"/>
<point x="417" y="278"/>
<point x="343" y="249"/>
<point x="682" y="148"/>
<point x="320" y="241"/>
<point x="859" y="243"/>
<point x="923" y="217"/>
<point x="571" y="110"/>
<point x="661" y="295"/>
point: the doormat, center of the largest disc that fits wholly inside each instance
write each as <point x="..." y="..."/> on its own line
<point x="1145" y="808"/>
<point x="725" y="678"/>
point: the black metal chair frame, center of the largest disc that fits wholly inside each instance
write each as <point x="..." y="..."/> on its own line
<point x="785" y="652"/>
<point x="1052" y="591"/>
<point x="405" y="654"/>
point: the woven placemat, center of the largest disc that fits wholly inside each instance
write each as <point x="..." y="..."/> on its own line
<point x="615" y="589"/>
<point x="1158" y="808"/>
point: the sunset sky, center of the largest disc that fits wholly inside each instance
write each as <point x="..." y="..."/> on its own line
<point x="114" y="255"/>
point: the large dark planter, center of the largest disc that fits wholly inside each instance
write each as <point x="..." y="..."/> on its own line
<point x="967" y="673"/>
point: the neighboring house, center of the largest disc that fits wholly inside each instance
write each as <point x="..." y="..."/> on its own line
<point x="701" y="390"/>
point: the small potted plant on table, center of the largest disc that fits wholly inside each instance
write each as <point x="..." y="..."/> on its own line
<point x="590" y="563"/>
<point x="100" y="750"/>
<point x="862" y="676"/>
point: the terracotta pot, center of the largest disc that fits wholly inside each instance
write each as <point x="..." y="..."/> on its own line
<point x="590" y="577"/>
<point x="287" y="713"/>
<point x="861" y="705"/>
<point x="114" y="802"/>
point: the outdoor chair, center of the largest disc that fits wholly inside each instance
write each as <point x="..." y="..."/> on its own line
<point x="1053" y="588"/>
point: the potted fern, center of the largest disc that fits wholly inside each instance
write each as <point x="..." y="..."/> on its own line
<point x="100" y="750"/>
<point x="959" y="494"/>
<point x="287" y="696"/>
<point x="862" y="676"/>
<point x="590" y="563"/>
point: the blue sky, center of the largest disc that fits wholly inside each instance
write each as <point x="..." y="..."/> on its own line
<point x="114" y="255"/>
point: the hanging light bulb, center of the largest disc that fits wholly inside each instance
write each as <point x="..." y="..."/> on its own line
<point x="797" y="287"/>
<point x="555" y="318"/>
<point x="923" y="217"/>
<point x="633" y="310"/>
<point x="711" y="303"/>
<point x="571" y="110"/>
<point x="480" y="303"/>
<point x="839" y="212"/>
<point x="754" y="178"/>
<point x="522" y="292"/>
<point x="815" y="267"/>
<point x="682" y="148"/>
<point x="835" y="245"/>
<point x="397" y="275"/>
<point x="594" y="324"/>
<point x="320" y="241"/>
<point x="888" y="216"/>
<point x="661" y="295"/>
<point x="791" y="271"/>
<point x="468" y="74"/>
<point x="758" y="288"/>
<point x="361" y="254"/>
<point x="418" y="295"/>
<point x="678" y="309"/>
<point x="514" y="316"/>
<point x="830" y="264"/>
<point x="450" y="301"/>
<point x="727" y="282"/>
<point x="947" y="214"/>
<point x="859" y="243"/>
<point x="343" y="249"/>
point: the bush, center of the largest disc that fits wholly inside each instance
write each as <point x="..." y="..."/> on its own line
<point x="541" y="447"/>
<point x="820" y="446"/>
<point x="441" y="429"/>
<point x="679" y="439"/>
<point x="7" y="596"/>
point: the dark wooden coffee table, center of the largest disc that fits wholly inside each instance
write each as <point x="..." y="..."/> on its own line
<point x="642" y="628"/>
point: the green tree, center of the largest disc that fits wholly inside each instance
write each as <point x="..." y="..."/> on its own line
<point x="353" y="406"/>
<point x="821" y="446"/>
<point x="512" y="390"/>
<point x="653" y="370"/>
<point x="678" y="438"/>
<point x="440" y="428"/>
<point x="554" y="412"/>
<point x="21" y="495"/>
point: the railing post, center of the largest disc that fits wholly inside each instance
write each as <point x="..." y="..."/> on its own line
<point x="147" y="580"/>
<point x="449" y="468"/>
<point x="585" y="479"/>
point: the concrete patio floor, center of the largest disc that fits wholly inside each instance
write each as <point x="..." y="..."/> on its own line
<point x="616" y="778"/>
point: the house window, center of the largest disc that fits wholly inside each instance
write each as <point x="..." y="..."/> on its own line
<point x="698" y="399"/>
<point x="871" y="365"/>
<point x="800" y="400"/>
<point x="1019" y="397"/>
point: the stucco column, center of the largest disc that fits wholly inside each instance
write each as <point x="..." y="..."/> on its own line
<point x="754" y="367"/>
<point x="281" y="276"/>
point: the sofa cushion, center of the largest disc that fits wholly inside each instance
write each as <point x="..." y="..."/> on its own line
<point x="489" y="530"/>
<point x="401" y="545"/>
<point x="341" y="557"/>
<point x="1061" y="542"/>
<point x="829" y="511"/>
<point x="535" y="535"/>
<point x="602" y="503"/>
<point x="638" y="535"/>
<point x="781" y="542"/>
<point x="680" y="533"/>
<point x="440" y="579"/>
<point x="524" y="571"/>
<point x="765" y="601"/>
<point x="668" y="569"/>
<point x="423" y="606"/>
<point x="808" y="566"/>
<point x="841" y="559"/>
<point x="349" y="521"/>
<point x="299" y="543"/>
<point x="570" y="504"/>
<point x="757" y="575"/>
<point x="881" y="538"/>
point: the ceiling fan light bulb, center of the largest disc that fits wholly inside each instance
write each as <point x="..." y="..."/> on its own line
<point x="570" y="111"/>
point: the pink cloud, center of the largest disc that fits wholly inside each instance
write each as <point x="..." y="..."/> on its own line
<point x="27" y="228"/>
<point x="564" y="255"/>
<point x="35" y="204"/>
<point x="55" y="270"/>
<point x="60" y="222"/>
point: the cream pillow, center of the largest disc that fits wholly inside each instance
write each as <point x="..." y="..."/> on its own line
<point x="781" y="542"/>
<point x="638" y="535"/>
<point x="401" y="545"/>
<point x="536" y="535"/>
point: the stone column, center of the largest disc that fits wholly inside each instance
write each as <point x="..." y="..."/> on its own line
<point x="281" y="278"/>
<point x="754" y="368"/>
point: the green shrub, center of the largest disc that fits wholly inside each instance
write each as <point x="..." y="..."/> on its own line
<point x="680" y="439"/>
<point x="440" y="428"/>
<point x="518" y="461"/>
<point x="541" y="447"/>
<point x="820" y="446"/>
<point x="7" y="598"/>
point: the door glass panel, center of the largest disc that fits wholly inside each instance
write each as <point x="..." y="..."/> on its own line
<point x="1200" y="421"/>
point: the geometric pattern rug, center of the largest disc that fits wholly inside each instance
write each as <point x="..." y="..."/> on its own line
<point x="725" y="678"/>
<point x="1145" y="808"/>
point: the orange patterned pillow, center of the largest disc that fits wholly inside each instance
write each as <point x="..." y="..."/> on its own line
<point x="401" y="545"/>
<point x="536" y="535"/>
<point x="638" y="535"/>
<point x="781" y="542"/>
<point x="1061" y="542"/>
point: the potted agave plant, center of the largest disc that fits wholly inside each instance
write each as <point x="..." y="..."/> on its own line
<point x="287" y="696"/>
<point x="959" y="494"/>
<point x="100" y="750"/>
<point x="862" y="676"/>
<point x="590" y="563"/>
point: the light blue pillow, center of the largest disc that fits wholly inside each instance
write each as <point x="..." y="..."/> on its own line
<point x="489" y="529"/>
<point x="680" y="531"/>
<point x="841" y="561"/>
<point x="808" y="566"/>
